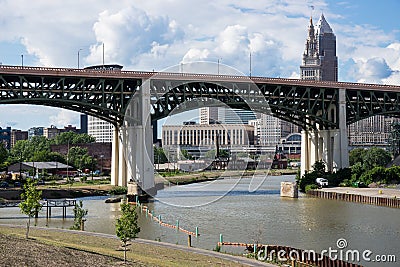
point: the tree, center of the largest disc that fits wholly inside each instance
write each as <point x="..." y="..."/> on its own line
<point x="319" y="167"/>
<point x="38" y="147"/>
<point x="3" y="157"/>
<point x="72" y="139"/>
<point x="159" y="155"/>
<point x="184" y="155"/>
<point x="356" y="155"/>
<point x="376" y="157"/>
<point x="127" y="226"/>
<point x="79" y="216"/>
<point x="3" y="154"/>
<point x="395" y="139"/>
<point x="79" y="158"/>
<point x="31" y="202"/>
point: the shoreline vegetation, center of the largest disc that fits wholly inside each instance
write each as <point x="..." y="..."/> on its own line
<point x="57" y="247"/>
<point x="181" y="178"/>
<point x="100" y="188"/>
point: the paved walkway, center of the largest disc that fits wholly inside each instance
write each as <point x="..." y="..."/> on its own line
<point x="371" y="192"/>
<point x="235" y="259"/>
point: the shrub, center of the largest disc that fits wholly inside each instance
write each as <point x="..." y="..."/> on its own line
<point x="336" y="178"/>
<point x="307" y="179"/>
<point x="118" y="190"/>
<point x="377" y="174"/>
<point x="310" y="187"/>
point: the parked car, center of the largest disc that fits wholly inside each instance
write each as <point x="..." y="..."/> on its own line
<point x="4" y="185"/>
<point x="321" y="182"/>
<point x="17" y="184"/>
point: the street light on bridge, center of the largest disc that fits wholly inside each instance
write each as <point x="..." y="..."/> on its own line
<point x="80" y="49"/>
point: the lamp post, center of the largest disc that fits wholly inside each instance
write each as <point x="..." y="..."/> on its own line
<point x="92" y="166"/>
<point x="20" y="166"/>
<point x="22" y="61"/>
<point x="67" y="160"/>
<point x="101" y="164"/>
<point x="79" y="56"/>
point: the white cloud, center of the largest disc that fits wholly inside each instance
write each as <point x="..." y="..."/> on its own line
<point x="63" y="118"/>
<point x="195" y="54"/>
<point x="130" y="33"/>
<point x="147" y="35"/>
<point x="373" y="70"/>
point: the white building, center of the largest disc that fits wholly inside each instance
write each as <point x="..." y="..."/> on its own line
<point x="222" y="115"/>
<point x="101" y="130"/>
<point x="373" y="131"/>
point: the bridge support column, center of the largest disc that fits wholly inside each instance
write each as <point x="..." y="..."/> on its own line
<point x="138" y="141"/>
<point x="341" y="152"/>
<point x="118" y="161"/>
<point x="115" y="157"/>
<point x="330" y="146"/>
<point x="311" y="149"/>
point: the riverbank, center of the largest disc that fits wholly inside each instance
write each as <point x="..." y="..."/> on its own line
<point x="58" y="247"/>
<point x="388" y="197"/>
<point x="199" y="177"/>
<point x="57" y="192"/>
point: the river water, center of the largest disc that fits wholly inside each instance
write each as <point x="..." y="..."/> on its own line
<point x="228" y="207"/>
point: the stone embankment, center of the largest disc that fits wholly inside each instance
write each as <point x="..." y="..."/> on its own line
<point x="388" y="197"/>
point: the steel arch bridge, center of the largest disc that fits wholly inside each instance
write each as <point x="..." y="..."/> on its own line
<point x="106" y="94"/>
<point x="322" y="109"/>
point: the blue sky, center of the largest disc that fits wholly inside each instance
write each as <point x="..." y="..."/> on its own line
<point x="158" y="34"/>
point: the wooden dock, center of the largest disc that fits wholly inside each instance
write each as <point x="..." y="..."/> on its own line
<point x="58" y="203"/>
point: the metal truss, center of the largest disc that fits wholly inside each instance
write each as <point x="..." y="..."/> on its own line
<point x="107" y="94"/>
<point x="105" y="98"/>
<point x="303" y="106"/>
<point x="362" y="104"/>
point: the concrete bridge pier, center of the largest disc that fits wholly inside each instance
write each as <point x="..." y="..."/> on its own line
<point x="330" y="146"/>
<point x="133" y="145"/>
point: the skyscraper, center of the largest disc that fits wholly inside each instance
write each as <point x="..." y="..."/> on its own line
<point x="320" y="62"/>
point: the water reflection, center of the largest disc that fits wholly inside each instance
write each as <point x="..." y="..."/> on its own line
<point x="243" y="216"/>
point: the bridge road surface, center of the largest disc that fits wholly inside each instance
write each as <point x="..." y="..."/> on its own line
<point x="232" y="258"/>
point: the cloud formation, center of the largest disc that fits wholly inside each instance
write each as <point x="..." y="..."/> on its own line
<point x="156" y="34"/>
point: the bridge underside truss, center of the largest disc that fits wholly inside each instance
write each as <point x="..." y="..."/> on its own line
<point x="362" y="104"/>
<point x="105" y="98"/>
<point x="108" y="97"/>
<point x="303" y="106"/>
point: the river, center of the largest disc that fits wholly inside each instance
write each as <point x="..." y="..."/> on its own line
<point x="227" y="207"/>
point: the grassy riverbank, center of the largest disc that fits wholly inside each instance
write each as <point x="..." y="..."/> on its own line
<point x="49" y="247"/>
<point x="197" y="177"/>
<point x="61" y="191"/>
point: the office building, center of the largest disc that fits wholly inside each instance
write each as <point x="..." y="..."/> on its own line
<point x="35" y="131"/>
<point x="17" y="135"/>
<point x="99" y="129"/>
<point x="222" y="115"/>
<point x="5" y="137"/>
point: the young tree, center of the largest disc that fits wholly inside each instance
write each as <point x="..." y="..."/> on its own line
<point x="127" y="226"/>
<point x="31" y="202"/>
<point x="79" y="215"/>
